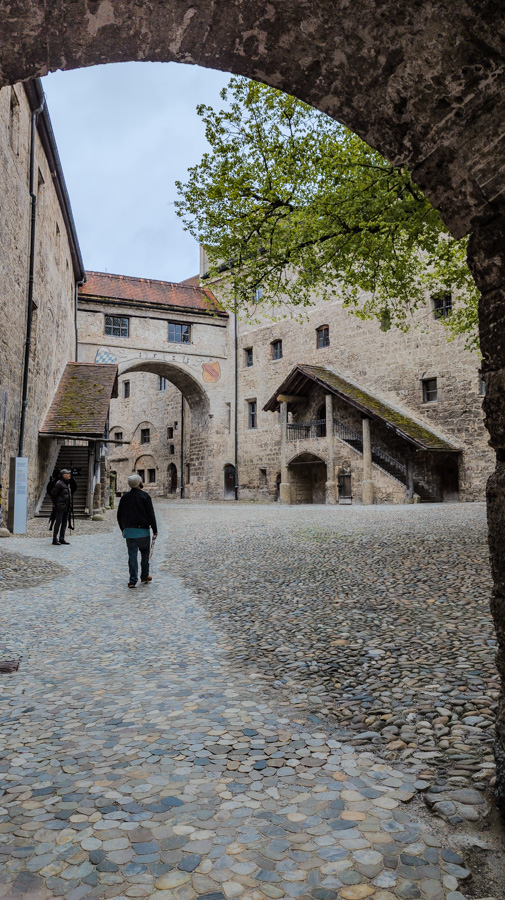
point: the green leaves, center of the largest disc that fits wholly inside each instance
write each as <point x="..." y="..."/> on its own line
<point x="291" y="200"/>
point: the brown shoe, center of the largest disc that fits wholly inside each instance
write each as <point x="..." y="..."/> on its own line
<point x="147" y="580"/>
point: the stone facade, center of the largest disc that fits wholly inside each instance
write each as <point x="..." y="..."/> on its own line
<point x="57" y="268"/>
<point x="390" y="364"/>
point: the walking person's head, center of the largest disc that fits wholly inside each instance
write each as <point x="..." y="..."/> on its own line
<point x="65" y="474"/>
<point x="134" y="481"/>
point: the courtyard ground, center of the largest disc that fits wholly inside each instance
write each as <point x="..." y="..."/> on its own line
<point x="271" y="717"/>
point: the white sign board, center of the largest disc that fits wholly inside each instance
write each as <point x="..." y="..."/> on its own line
<point x="19" y="472"/>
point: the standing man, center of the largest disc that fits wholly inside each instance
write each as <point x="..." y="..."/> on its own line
<point x="135" y="516"/>
<point x="62" y="496"/>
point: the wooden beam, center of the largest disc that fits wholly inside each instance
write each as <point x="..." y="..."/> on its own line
<point x="288" y="398"/>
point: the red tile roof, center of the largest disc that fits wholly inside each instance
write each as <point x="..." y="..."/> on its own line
<point x="126" y="289"/>
<point x="81" y="403"/>
<point x="194" y="280"/>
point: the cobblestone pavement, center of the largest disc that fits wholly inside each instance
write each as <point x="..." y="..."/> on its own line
<point x="140" y="759"/>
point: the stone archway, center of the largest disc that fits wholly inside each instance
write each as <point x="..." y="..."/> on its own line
<point x="194" y="418"/>
<point x="421" y="83"/>
<point x="307" y="478"/>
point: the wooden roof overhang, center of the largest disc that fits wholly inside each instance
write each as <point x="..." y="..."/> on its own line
<point x="80" y="406"/>
<point x="302" y="379"/>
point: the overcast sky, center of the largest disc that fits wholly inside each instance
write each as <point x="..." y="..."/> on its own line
<point x="125" y="134"/>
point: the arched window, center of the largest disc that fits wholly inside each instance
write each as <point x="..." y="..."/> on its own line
<point x="322" y="336"/>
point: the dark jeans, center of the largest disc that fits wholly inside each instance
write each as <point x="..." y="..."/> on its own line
<point x="60" y="523"/>
<point x="134" y="545"/>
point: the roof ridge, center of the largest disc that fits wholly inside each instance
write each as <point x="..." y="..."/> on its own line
<point x="192" y="287"/>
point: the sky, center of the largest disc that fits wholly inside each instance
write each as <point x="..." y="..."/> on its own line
<point x="125" y="133"/>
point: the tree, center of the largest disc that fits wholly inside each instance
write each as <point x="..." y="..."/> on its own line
<point x="291" y="201"/>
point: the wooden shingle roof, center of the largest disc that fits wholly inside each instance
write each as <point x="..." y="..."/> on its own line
<point x="302" y="378"/>
<point x="81" y="403"/>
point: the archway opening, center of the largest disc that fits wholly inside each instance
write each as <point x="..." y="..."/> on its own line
<point x="307" y="475"/>
<point x="172" y="480"/>
<point x="229" y="481"/>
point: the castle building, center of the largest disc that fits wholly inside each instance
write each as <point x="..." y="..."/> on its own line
<point x="330" y="409"/>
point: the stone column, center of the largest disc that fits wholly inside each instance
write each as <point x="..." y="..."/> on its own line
<point x="409" y="470"/>
<point x="486" y="258"/>
<point x="367" y="495"/>
<point x="285" y="487"/>
<point x="331" y="493"/>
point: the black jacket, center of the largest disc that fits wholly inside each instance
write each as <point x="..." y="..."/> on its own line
<point x="61" y="495"/>
<point x="136" y="510"/>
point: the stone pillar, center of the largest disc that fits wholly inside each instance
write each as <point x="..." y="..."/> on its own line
<point x="367" y="491"/>
<point x="285" y="487"/>
<point x="409" y="469"/>
<point x="486" y="258"/>
<point x="331" y="492"/>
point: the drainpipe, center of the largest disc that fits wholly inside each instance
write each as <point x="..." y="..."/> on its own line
<point x="182" y="446"/>
<point x="236" y="401"/>
<point x="31" y="267"/>
<point x="78" y="284"/>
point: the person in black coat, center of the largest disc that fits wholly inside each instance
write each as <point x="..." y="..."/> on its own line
<point x="62" y="496"/>
<point x="135" y="516"/>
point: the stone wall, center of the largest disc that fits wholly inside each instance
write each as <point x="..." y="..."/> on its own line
<point x="53" y="336"/>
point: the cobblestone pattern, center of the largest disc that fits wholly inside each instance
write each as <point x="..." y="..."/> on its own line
<point x="17" y="570"/>
<point x="140" y="761"/>
<point x="379" y="618"/>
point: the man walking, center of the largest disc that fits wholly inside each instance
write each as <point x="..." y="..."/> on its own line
<point x="135" y="516"/>
<point x="62" y="497"/>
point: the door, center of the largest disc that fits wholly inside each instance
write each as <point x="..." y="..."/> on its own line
<point x="172" y="479"/>
<point x="229" y="482"/>
<point x="344" y="487"/>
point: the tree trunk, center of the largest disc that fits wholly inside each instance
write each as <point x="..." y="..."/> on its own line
<point x="486" y="257"/>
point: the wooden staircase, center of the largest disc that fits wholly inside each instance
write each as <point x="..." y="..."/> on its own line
<point x="71" y="457"/>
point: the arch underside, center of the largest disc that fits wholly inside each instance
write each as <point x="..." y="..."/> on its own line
<point x="187" y="384"/>
<point x="423" y="83"/>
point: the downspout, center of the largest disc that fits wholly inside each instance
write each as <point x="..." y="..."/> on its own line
<point x="182" y="446"/>
<point x="236" y="402"/>
<point x="31" y="267"/>
<point x="78" y="284"/>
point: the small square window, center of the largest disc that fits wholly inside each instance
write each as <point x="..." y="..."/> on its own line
<point x="145" y="435"/>
<point x="118" y="436"/>
<point x="170" y="432"/>
<point x="126" y="389"/>
<point x="253" y="415"/>
<point x="142" y="473"/>
<point x="276" y="349"/>
<point x="258" y="293"/>
<point x="175" y="426"/>
<point x="429" y="390"/>
<point x="117" y="326"/>
<point x="248" y="355"/>
<point x="442" y="305"/>
<point x="162" y="384"/>
<point x="151" y="476"/>
<point x="171" y="449"/>
<point x="178" y="333"/>
<point x="323" y="336"/>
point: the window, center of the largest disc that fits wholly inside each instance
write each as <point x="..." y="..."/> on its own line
<point x="170" y="432"/>
<point x="162" y="384"/>
<point x="429" y="390"/>
<point x="258" y="293"/>
<point x="171" y="449"/>
<point x="126" y="389"/>
<point x="142" y="473"/>
<point x="145" y="435"/>
<point x="117" y="326"/>
<point x="175" y="426"/>
<point x="151" y="476"/>
<point x="442" y="305"/>
<point x="482" y="386"/>
<point x="385" y="320"/>
<point x="179" y="334"/>
<point x="118" y="436"/>
<point x="253" y="416"/>
<point x="248" y="355"/>
<point x="276" y="349"/>
<point x="323" y="336"/>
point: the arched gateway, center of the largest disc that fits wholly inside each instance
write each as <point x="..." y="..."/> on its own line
<point x="169" y="344"/>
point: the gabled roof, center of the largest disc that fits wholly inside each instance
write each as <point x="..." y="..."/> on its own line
<point x="150" y="292"/>
<point x="302" y="378"/>
<point x="81" y="403"/>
